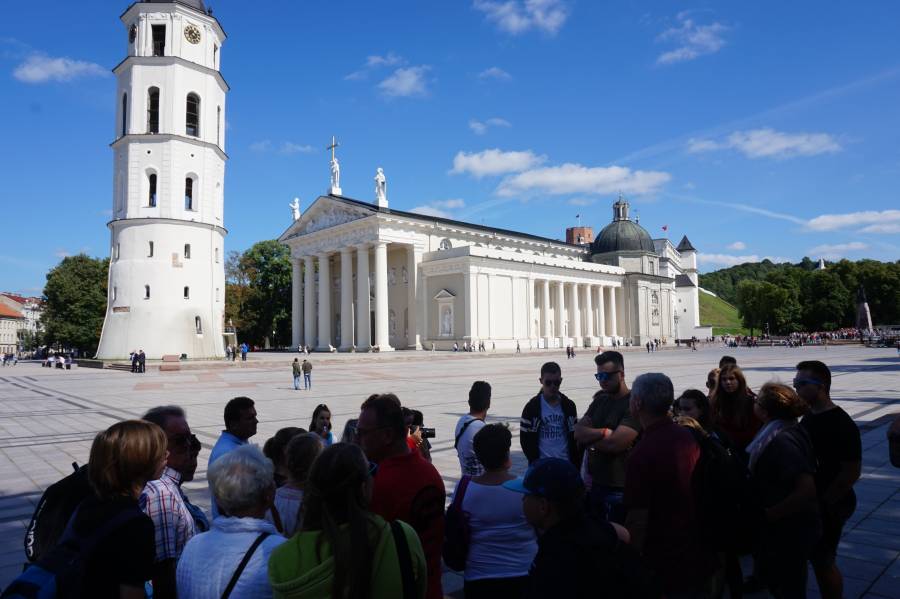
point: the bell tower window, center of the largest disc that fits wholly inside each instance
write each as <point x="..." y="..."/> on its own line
<point x="218" y="125"/>
<point x="192" y="115"/>
<point x="159" y="40"/>
<point x="124" y="114"/>
<point x="187" y="293"/>
<point x="188" y="194"/>
<point x="187" y="251"/>
<point x="151" y="196"/>
<point x="153" y="110"/>
<point x="198" y="325"/>
<point x="150" y="254"/>
<point x="146" y="291"/>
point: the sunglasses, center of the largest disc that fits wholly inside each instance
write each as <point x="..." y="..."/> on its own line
<point x="552" y="382"/>
<point x="802" y="382"/>
<point x="603" y="376"/>
<point x="185" y="442"/>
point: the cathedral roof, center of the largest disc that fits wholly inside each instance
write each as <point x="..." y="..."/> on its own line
<point x="685" y="245"/>
<point x="623" y="234"/>
<point x="683" y="281"/>
<point x="195" y="4"/>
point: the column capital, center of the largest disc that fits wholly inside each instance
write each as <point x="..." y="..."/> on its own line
<point x="323" y="255"/>
<point x="346" y="250"/>
<point x="364" y="246"/>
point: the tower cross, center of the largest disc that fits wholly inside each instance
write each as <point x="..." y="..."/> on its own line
<point x="333" y="145"/>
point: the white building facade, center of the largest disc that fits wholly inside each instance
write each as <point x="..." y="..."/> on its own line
<point x="369" y="277"/>
<point x="167" y="255"/>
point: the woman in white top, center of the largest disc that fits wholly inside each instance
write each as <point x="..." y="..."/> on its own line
<point x="503" y="544"/>
<point x="299" y="455"/>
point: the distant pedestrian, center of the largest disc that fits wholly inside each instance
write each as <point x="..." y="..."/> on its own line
<point x="298" y="372"/>
<point x="306" y="367"/>
<point x="134" y="361"/>
<point x="142" y="361"/>
<point x="518" y="347"/>
<point x="244" y="350"/>
<point x="320" y="424"/>
<point x="227" y="352"/>
<point x="468" y="426"/>
<point x="233" y="353"/>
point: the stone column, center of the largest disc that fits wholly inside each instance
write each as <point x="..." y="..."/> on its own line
<point x="382" y="333"/>
<point x="324" y="302"/>
<point x="346" y="299"/>
<point x="560" y="310"/>
<point x="529" y="313"/>
<point x="589" y="310"/>
<point x="363" y="313"/>
<point x="576" y="315"/>
<point x="613" y="331"/>
<point x="309" y="302"/>
<point x="601" y="312"/>
<point x="414" y="332"/>
<point x="296" y="303"/>
<point x="545" y="284"/>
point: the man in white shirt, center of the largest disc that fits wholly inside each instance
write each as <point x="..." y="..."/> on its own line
<point x="469" y="425"/>
<point x="547" y="428"/>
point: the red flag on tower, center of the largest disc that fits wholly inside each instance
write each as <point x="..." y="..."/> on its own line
<point x="665" y="227"/>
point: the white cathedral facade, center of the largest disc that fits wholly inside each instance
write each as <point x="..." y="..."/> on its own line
<point x="367" y="277"/>
<point x="167" y="272"/>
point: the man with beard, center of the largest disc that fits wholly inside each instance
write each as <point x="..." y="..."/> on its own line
<point x="608" y="430"/>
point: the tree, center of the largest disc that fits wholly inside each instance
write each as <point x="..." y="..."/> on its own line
<point x="75" y="303"/>
<point x="260" y="283"/>
<point x="826" y="300"/>
<point x="761" y="303"/>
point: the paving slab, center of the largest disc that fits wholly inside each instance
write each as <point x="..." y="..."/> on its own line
<point x="48" y="418"/>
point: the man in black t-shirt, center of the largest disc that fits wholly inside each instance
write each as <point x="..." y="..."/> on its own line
<point x="608" y="430"/>
<point x="836" y="441"/>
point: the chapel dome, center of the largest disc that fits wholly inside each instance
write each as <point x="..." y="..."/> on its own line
<point x="623" y="234"/>
<point x="195" y="4"/>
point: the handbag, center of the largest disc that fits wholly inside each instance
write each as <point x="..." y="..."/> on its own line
<point x="457" y="530"/>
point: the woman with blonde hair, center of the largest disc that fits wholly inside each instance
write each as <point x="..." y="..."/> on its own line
<point x="732" y="404"/>
<point x="113" y="537"/>
<point x="782" y="466"/>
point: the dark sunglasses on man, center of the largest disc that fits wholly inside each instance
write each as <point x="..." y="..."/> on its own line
<point x="185" y="442"/>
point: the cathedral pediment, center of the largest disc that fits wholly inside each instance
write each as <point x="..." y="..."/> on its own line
<point x="444" y="294"/>
<point x="325" y="213"/>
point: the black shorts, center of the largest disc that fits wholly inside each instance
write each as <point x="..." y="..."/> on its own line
<point x="825" y="551"/>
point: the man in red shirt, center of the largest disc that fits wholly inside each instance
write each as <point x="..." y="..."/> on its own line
<point x="406" y="487"/>
<point x="658" y="492"/>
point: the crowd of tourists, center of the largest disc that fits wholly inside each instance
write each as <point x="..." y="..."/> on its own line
<point x="645" y="494"/>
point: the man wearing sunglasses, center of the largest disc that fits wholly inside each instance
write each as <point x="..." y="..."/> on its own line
<point x="836" y="441"/>
<point x="547" y="428"/>
<point x="608" y="430"/>
<point x="175" y="519"/>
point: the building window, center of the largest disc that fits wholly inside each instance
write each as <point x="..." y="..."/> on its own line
<point x="217" y="255"/>
<point x="115" y="292"/>
<point x="192" y="115"/>
<point x="117" y="251"/>
<point x="150" y="255"/>
<point x="151" y="196"/>
<point x="215" y="56"/>
<point x="153" y="110"/>
<point x="124" y="114"/>
<point x="218" y="125"/>
<point x="217" y="295"/>
<point x="198" y="325"/>
<point x="146" y="291"/>
<point x="187" y="251"/>
<point x="188" y="194"/>
<point x="187" y="293"/>
<point x="159" y="40"/>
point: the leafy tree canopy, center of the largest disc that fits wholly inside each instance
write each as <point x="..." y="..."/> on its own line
<point x="75" y="303"/>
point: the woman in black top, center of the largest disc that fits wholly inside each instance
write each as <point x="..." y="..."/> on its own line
<point x="123" y="458"/>
<point x="782" y="469"/>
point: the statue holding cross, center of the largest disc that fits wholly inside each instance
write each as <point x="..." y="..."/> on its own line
<point x="335" y="169"/>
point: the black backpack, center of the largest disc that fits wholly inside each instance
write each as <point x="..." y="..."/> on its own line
<point x="722" y="491"/>
<point x="54" y="511"/>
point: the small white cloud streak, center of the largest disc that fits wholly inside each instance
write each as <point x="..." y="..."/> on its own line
<point x="693" y="40"/>
<point x="292" y="148"/>
<point x="883" y="219"/>
<point x="39" y="68"/>
<point x="494" y="162"/>
<point x="885" y="228"/>
<point x="520" y="16"/>
<point x="738" y="246"/>
<point x="263" y="145"/>
<point x="495" y="73"/>
<point x="581" y="202"/>
<point x="374" y="62"/>
<point x="480" y="128"/>
<point x="768" y="143"/>
<point x="576" y="178"/>
<point x="838" y="249"/>
<point x="732" y="260"/>
<point x="406" y="82"/>
<point x="430" y="211"/>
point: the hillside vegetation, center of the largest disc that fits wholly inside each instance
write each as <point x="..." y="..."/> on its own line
<point x="723" y="317"/>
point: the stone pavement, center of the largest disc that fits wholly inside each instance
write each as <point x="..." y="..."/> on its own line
<point x="48" y="419"/>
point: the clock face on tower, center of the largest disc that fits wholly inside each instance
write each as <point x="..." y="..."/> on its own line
<point x="132" y="33"/>
<point x="192" y="34"/>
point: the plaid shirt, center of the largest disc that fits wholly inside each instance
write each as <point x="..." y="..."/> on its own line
<point x="167" y="506"/>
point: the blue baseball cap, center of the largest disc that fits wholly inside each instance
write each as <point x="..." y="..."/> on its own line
<point x="552" y="478"/>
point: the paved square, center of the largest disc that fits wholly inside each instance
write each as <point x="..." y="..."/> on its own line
<point x="48" y="419"/>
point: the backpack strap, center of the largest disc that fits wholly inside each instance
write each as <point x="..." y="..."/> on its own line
<point x="405" y="560"/>
<point x="243" y="564"/>
<point x="460" y="492"/>
<point x="465" y="426"/>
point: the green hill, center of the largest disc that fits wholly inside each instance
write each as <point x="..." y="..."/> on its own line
<point x="721" y="315"/>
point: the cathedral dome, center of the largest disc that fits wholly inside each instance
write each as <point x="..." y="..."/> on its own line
<point x="195" y="4"/>
<point x="623" y="234"/>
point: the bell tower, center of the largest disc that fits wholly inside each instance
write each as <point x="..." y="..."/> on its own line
<point x="167" y="272"/>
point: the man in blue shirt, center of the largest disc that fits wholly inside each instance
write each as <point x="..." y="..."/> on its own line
<point x="240" y="425"/>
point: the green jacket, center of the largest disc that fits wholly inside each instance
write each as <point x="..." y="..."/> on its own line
<point x="298" y="369"/>
<point x="296" y="572"/>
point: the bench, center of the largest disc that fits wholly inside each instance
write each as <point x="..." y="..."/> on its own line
<point x="171" y="363"/>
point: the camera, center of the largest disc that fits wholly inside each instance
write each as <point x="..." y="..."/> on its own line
<point x="427" y="433"/>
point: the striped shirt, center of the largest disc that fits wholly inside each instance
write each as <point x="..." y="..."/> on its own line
<point x="173" y="522"/>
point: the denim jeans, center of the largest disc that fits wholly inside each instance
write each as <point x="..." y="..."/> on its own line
<point x="307" y="380"/>
<point x="296" y="382"/>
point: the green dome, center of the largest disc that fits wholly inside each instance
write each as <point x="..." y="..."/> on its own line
<point x="622" y="236"/>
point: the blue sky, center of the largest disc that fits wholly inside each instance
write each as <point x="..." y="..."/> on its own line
<point x="758" y="129"/>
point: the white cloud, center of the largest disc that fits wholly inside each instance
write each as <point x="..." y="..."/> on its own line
<point x="692" y="40"/>
<point x="731" y="260"/>
<point x="494" y="162"/>
<point x="39" y="68"/>
<point x="576" y="178"/>
<point x="406" y="82"/>
<point x="430" y="211"/>
<point x="519" y="16"/>
<point x="263" y="145"/>
<point x="495" y="73"/>
<point x="292" y="148"/>
<point x="440" y="208"/>
<point x="884" y="219"/>
<point x="450" y="204"/>
<point x="886" y="228"/>
<point x="480" y="128"/>
<point x="768" y="143"/>
<point x="61" y="253"/>
<point x="738" y="246"/>
<point x="837" y="250"/>
<point x="581" y="202"/>
<point x="374" y="62"/>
